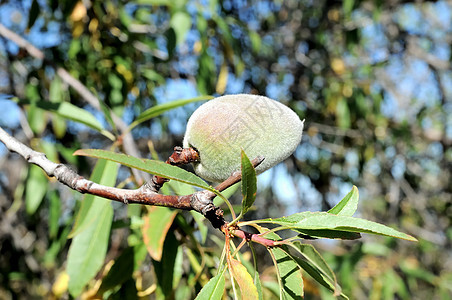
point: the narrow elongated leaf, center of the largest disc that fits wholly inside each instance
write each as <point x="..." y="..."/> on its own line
<point x="249" y="183"/>
<point x="164" y="269"/>
<point x="257" y="281"/>
<point x="291" y="285"/>
<point x="313" y="263"/>
<point x="329" y="234"/>
<point x="161" y="108"/>
<point x="214" y="289"/>
<point x="156" y="225"/>
<point x="310" y="254"/>
<point x="348" y="205"/>
<point x="151" y="166"/>
<point x="244" y="279"/>
<point x="35" y="189"/>
<point x="181" y="23"/>
<point x="87" y="252"/>
<point x="290" y="274"/>
<point x="323" y="220"/>
<point x="120" y="272"/>
<point x="54" y="214"/>
<point x="91" y="205"/>
<point x="35" y="10"/>
<point x="73" y="113"/>
<point x="89" y="247"/>
<point x="58" y="94"/>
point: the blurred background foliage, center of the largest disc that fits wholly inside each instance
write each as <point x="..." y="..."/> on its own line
<point x="373" y="79"/>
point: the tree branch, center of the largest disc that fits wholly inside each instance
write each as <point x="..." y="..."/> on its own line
<point x="147" y="194"/>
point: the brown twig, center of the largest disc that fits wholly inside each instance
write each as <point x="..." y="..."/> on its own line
<point x="180" y="156"/>
<point x="253" y="237"/>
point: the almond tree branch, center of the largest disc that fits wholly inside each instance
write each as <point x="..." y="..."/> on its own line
<point x="127" y="139"/>
<point x="147" y="194"/>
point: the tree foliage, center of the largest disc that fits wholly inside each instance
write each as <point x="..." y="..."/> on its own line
<point x="371" y="78"/>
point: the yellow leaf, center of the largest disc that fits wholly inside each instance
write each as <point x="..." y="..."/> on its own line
<point x="197" y="47"/>
<point x="244" y="279"/>
<point x="338" y="66"/>
<point x="222" y="79"/>
<point x="79" y="12"/>
<point x="60" y="285"/>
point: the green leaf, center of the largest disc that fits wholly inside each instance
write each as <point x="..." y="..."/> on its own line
<point x="54" y="214"/>
<point x="120" y="272"/>
<point x="91" y="204"/>
<point x="291" y="285"/>
<point x="87" y="252"/>
<point x="326" y="221"/>
<point x="128" y="290"/>
<point x="73" y="113"/>
<point x="181" y="23"/>
<point x="89" y="247"/>
<point x="244" y="279"/>
<point x="343" y="114"/>
<point x="290" y="274"/>
<point x="156" y="225"/>
<point x="152" y="75"/>
<point x="329" y="234"/>
<point x="249" y="183"/>
<point x="348" y="205"/>
<point x="57" y="95"/>
<point x="313" y="263"/>
<point x="257" y="281"/>
<point x="256" y="42"/>
<point x="155" y="167"/>
<point x="164" y="269"/>
<point x="161" y="108"/>
<point x="214" y="289"/>
<point x="35" y="10"/>
<point x="35" y="189"/>
<point x="310" y="254"/>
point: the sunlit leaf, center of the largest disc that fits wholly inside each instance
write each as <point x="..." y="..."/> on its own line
<point x="249" y="183"/>
<point x="156" y="225"/>
<point x="290" y="274"/>
<point x="181" y="23"/>
<point x="245" y="281"/>
<point x="326" y="233"/>
<point x="73" y="113"/>
<point x="214" y="289"/>
<point x="89" y="247"/>
<point x="151" y="166"/>
<point x="35" y="190"/>
<point x="161" y="108"/>
<point x="291" y="285"/>
<point x="348" y="205"/>
<point x="326" y="221"/>
<point x="91" y="204"/>
<point x="222" y="79"/>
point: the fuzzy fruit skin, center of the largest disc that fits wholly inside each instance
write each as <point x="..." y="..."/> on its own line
<point x="218" y="129"/>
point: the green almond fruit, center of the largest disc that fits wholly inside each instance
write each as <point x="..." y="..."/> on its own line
<point x="220" y="128"/>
